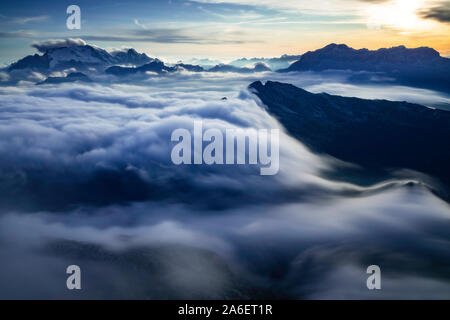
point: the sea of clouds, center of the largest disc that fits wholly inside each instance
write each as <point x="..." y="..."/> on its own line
<point x="86" y="178"/>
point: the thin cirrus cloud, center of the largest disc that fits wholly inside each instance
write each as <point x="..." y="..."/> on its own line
<point x="140" y="35"/>
<point x="437" y="10"/>
<point x="187" y="34"/>
<point x="184" y="35"/>
<point x="163" y="36"/>
<point x="18" y="34"/>
<point x="23" y="20"/>
<point x="324" y="8"/>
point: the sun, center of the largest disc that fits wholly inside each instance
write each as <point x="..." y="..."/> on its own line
<point x="397" y="14"/>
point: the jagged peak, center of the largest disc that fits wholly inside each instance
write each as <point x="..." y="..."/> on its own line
<point x="334" y="45"/>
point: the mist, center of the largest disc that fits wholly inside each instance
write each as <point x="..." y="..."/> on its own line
<point x="86" y="178"/>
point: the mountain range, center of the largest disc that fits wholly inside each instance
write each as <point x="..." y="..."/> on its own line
<point x="374" y="134"/>
<point x="275" y="64"/>
<point x="258" y="67"/>
<point x="80" y="57"/>
<point x="159" y="67"/>
<point x="422" y="67"/>
<point x="156" y="66"/>
<point x="87" y="58"/>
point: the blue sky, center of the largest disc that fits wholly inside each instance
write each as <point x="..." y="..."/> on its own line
<point x="176" y="29"/>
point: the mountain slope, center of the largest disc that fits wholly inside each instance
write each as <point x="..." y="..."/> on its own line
<point x="131" y="56"/>
<point x="376" y="134"/>
<point x="35" y="62"/>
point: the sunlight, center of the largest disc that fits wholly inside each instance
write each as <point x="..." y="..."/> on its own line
<point x="398" y="14"/>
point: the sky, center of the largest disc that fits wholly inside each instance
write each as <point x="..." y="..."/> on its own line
<point x="182" y="29"/>
<point x="88" y="175"/>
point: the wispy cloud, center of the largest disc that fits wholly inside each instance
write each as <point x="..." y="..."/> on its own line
<point x="24" y="20"/>
<point x="155" y="38"/>
<point x="171" y="35"/>
<point x="324" y="8"/>
<point x="17" y="34"/>
<point x="143" y="26"/>
<point x="439" y="12"/>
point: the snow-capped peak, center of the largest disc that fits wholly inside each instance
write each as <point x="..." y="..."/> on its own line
<point x="86" y="55"/>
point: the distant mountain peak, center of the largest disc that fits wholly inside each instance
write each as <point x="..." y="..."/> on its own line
<point x="423" y="66"/>
<point x="258" y="67"/>
<point x="80" y="55"/>
<point x="131" y="56"/>
<point x="400" y="48"/>
<point x="77" y="54"/>
<point x="336" y="46"/>
<point x="281" y="62"/>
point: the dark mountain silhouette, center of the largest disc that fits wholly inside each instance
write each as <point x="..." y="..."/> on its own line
<point x="190" y="67"/>
<point x="259" y="67"/>
<point x="159" y="67"/>
<point x="79" y="57"/>
<point x="72" y="77"/>
<point x="156" y="66"/>
<point x="35" y="62"/>
<point x="376" y="134"/>
<point x="131" y="56"/>
<point x="422" y="67"/>
<point x="282" y="62"/>
<point x="87" y="58"/>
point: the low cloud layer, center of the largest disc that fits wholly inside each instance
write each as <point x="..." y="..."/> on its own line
<point x="298" y="251"/>
<point x="113" y="143"/>
<point x="86" y="178"/>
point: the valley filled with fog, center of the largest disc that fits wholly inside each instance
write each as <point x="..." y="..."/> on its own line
<point x="86" y="178"/>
